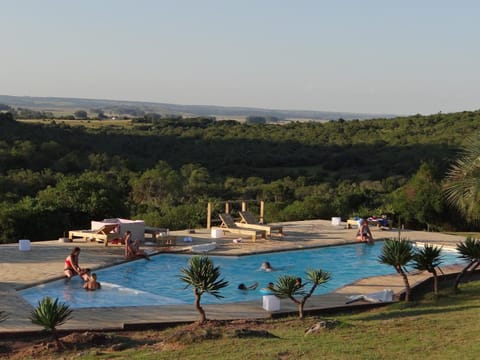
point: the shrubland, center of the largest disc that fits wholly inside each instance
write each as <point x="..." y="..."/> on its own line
<point x="56" y="175"/>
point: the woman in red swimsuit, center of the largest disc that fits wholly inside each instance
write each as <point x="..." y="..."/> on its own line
<point x="71" y="264"/>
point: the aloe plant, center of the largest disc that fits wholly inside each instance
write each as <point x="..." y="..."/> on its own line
<point x="50" y="314"/>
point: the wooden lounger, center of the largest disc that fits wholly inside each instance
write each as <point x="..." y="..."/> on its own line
<point x="352" y="222"/>
<point x="228" y="225"/>
<point x="249" y="221"/>
<point x="104" y="234"/>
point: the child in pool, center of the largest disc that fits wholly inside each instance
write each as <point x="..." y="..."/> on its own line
<point x="266" y="266"/>
<point x="268" y="289"/>
<point x="92" y="284"/>
<point x="242" y="286"/>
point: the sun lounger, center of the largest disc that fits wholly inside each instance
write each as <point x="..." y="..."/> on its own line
<point x="249" y="221"/>
<point x="104" y="234"/>
<point x="228" y="225"/>
<point x="353" y="223"/>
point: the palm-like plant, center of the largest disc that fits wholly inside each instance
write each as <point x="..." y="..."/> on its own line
<point x="468" y="250"/>
<point x="462" y="186"/>
<point x="50" y="314"/>
<point x="428" y="258"/>
<point x="203" y="276"/>
<point x="398" y="253"/>
<point x="289" y="287"/>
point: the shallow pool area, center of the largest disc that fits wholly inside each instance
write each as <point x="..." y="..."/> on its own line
<point x="156" y="282"/>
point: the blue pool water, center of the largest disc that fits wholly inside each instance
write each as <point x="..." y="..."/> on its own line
<point x="156" y="282"/>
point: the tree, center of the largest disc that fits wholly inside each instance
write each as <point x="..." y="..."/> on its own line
<point x="420" y="199"/>
<point x="80" y="114"/>
<point x="203" y="276"/>
<point x="288" y="286"/>
<point x="6" y="118"/>
<point x="428" y="258"/>
<point x="468" y="250"/>
<point x="255" y="120"/>
<point x="92" y="194"/>
<point x="462" y="186"/>
<point x="50" y="314"/>
<point x="196" y="181"/>
<point x="398" y="253"/>
<point x="157" y="187"/>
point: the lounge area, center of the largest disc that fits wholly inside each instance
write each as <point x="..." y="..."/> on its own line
<point x="103" y="234"/>
<point x="110" y="231"/>
<point x="228" y="226"/>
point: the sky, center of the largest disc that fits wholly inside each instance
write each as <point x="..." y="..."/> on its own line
<point x="379" y="57"/>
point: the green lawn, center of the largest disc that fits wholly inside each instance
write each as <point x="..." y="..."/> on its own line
<point x="444" y="328"/>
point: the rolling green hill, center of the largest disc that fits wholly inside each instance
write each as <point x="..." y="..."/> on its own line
<point x="55" y="175"/>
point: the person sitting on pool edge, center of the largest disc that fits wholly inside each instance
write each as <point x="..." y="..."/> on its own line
<point x="242" y="286"/>
<point x="71" y="267"/>
<point x="364" y="234"/>
<point x="132" y="251"/>
<point x="92" y="284"/>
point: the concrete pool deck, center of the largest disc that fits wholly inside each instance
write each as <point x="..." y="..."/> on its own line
<point x="44" y="262"/>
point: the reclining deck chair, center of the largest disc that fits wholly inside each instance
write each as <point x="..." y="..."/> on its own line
<point x="228" y="225"/>
<point x="104" y="234"/>
<point x="248" y="220"/>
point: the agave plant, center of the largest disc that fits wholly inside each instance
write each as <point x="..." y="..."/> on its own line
<point x="428" y="258"/>
<point x="292" y="287"/>
<point x="468" y="250"/>
<point x="50" y="314"/>
<point x="203" y="276"/>
<point x="398" y="253"/>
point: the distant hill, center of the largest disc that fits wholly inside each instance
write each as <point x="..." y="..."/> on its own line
<point x="138" y="108"/>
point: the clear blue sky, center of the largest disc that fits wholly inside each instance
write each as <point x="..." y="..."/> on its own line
<point x="403" y="57"/>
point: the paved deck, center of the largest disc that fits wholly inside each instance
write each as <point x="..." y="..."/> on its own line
<point x="44" y="262"/>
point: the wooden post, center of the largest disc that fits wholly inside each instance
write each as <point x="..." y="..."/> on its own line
<point x="209" y="215"/>
<point x="244" y="205"/>
<point x="227" y="208"/>
<point x="262" y="209"/>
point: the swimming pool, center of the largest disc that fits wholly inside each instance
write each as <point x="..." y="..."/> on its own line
<point x="156" y="282"/>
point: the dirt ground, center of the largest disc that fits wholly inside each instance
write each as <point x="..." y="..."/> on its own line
<point x="43" y="346"/>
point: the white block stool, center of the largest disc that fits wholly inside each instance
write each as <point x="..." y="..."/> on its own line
<point x="24" y="245"/>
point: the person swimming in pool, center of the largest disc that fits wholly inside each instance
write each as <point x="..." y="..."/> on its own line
<point x="268" y="289"/>
<point x="298" y="283"/>
<point x="92" y="284"/>
<point x="266" y="266"/>
<point x="244" y="287"/>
